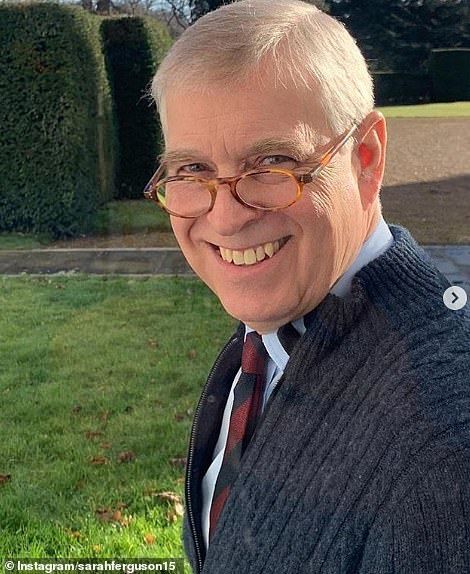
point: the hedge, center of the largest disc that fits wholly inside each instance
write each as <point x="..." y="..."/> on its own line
<point x="57" y="142"/>
<point x="401" y="88"/>
<point x="134" y="48"/>
<point x="450" y="74"/>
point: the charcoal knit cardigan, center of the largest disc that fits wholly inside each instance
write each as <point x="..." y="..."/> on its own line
<point x="361" y="463"/>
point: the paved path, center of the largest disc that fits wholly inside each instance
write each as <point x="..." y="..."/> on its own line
<point x="452" y="260"/>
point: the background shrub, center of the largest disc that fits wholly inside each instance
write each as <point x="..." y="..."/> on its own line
<point x="134" y="48"/>
<point x="450" y="73"/>
<point x="57" y="142"/>
<point x="401" y="88"/>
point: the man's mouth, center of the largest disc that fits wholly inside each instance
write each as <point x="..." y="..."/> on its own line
<point x="254" y="254"/>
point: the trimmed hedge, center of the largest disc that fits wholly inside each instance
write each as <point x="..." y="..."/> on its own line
<point x="401" y="88"/>
<point x="134" y="47"/>
<point x="57" y="138"/>
<point x="450" y="73"/>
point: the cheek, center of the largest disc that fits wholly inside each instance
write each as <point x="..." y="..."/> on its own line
<point x="180" y="229"/>
<point x="334" y="198"/>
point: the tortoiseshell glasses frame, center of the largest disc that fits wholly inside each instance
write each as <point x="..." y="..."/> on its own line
<point x="151" y="189"/>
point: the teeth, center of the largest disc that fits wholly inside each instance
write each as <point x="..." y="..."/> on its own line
<point x="260" y="254"/>
<point x="253" y="254"/>
<point x="226" y="254"/>
<point x="269" y="248"/>
<point x="238" y="258"/>
<point x="249" y="256"/>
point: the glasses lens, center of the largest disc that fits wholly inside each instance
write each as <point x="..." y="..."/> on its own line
<point x="268" y="190"/>
<point x="187" y="198"/>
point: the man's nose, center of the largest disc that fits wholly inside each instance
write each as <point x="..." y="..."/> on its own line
<point x="229" y="216"/>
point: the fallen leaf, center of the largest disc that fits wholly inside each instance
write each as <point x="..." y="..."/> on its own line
<point x="149" y="538"/>
<point x="91" y="435"/>
<point x="104" y="514"/>
<point x="175" y="512"/>
<point x="115" y="515"/>
<point x="169" y="496"/>
<point x="4" y="478"/>
<point x="126" y="456"/>
<point x="176" y="509"/>
<point x="105" y="445"/>
<point x="192" y="354"/>
<point x="179" y="461"/>
<point x="152" y="343"/>
<point x="98" y="459"/>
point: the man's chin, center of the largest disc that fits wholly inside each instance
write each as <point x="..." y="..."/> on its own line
<point x="259" y="315"/>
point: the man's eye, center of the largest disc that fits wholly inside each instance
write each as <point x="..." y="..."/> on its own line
<point x="276" y="160"/>
<point x="194" y="168"/>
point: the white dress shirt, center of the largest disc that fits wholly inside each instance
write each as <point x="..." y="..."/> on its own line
<point x="379" y="241"/>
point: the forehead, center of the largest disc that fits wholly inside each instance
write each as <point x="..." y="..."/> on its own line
<point x="238" y="118"/>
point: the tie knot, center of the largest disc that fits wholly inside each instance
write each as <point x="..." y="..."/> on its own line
<point x="253" y="354"/>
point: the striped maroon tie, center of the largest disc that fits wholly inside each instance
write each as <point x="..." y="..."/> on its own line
<point x="248" y="396"/>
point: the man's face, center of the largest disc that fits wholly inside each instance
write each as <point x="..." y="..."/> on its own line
<point x="318" y="236"/>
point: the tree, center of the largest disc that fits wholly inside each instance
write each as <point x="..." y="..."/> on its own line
<point x="400" y="34"/>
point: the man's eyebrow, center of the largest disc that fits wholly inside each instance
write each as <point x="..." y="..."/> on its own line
<point x="176" y="156"/>
<point x="298" y="149"/>
<point x="292" y="146"/>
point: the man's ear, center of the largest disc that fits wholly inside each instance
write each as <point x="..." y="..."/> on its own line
<point x="370" y="156"/>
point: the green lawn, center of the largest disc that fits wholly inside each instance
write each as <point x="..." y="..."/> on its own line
<point x="125" y="217"/>
<point x="98" y="382"/>
<point x="450" y="110"/>
<point x="130" y="216"/>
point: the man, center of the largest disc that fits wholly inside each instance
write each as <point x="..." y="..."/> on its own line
<point x="333" y="433"/>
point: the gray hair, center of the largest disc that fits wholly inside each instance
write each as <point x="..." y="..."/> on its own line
<point x="307" y="47"/>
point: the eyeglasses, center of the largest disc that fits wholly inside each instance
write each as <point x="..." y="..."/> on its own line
<point x="266" y="189"/>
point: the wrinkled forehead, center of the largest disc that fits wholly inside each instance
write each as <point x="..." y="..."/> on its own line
<point x="235" y="116"/>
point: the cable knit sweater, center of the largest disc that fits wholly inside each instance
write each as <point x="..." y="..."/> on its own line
<point x="361" y="462"/>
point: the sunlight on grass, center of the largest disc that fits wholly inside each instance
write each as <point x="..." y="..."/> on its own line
<point x="98" y="395"/>
<point x="23" y="240"/>
<point x="444" y="110"/>
<point x="126" y="217"/>
<point x="117" y="218"/>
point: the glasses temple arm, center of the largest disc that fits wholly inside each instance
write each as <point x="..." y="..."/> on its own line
<point x="326" y="158"/>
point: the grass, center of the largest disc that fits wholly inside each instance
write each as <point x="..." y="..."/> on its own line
<point x="97" y="397"/>
<point x="118" y="218"/>
<point x="448" y="110"/>
<point x="128" y="217"/>
<point x="24" y="240"/>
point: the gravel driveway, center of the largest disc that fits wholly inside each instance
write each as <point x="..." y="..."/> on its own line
<point x="427" y="178"/>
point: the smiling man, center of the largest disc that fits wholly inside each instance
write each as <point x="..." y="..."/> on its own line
<point x="333" y="432"/>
